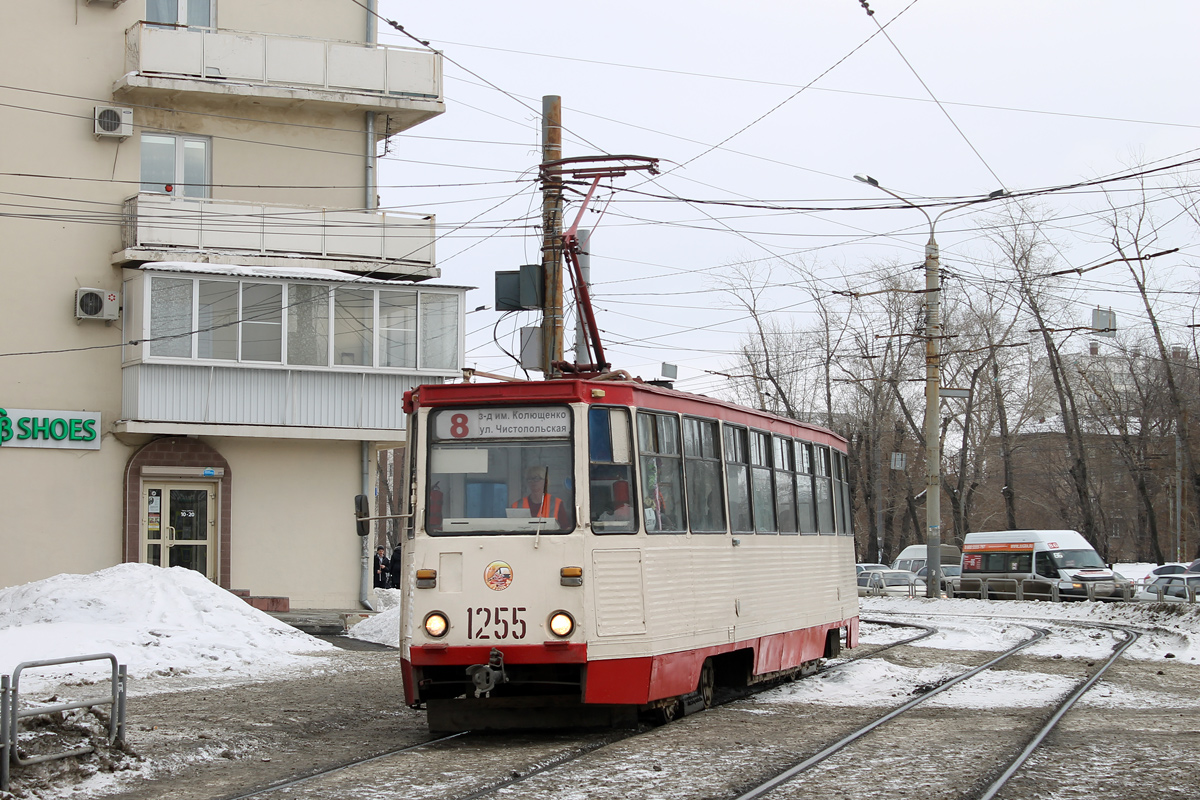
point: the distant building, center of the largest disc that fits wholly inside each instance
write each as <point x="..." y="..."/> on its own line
<point x="207" y="324"/>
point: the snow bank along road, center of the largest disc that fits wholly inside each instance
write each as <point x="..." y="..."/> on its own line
<point x="1133" y="734"/>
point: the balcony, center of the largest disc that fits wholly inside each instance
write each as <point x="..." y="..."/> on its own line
<point x="402" y="82"/>
<point x="158" y="227"/>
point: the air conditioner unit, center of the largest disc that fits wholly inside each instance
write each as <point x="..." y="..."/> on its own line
<point x="97" y="304"/>
<point x="113" y="122"/>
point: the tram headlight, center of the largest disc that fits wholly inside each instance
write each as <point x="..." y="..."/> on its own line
<point x="562" y="624"/>
<point x="436" y="624"/>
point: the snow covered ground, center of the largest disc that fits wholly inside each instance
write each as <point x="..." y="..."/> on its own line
<point x="177" y="631"/>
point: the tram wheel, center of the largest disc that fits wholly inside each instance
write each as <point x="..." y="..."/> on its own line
<point x="708" y="682"/>
<point x="668" y="713"/>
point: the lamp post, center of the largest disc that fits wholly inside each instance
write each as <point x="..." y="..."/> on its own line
<point x="933" y="368"/>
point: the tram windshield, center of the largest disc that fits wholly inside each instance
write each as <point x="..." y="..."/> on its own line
<point x="500" y="471"/>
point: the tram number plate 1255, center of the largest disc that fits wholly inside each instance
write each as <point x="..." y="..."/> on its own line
<point x="500" y="622"/>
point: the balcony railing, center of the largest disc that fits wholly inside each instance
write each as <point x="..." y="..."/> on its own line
<point x="402" y="242"/>
<point x="226" y="59"/>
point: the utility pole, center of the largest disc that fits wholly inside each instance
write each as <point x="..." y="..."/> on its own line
<point x="933" y="433"/>
<point x="933" y="390"/>
<point x="552" y="303"/>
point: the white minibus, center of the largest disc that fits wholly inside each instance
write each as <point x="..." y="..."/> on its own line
<point x="1037" y="559"/>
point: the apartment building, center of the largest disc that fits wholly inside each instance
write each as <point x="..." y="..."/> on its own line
<point x="208" y="324"/>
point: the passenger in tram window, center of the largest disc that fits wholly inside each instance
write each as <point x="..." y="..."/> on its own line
<point x="621" y="509"/>
<point x="540" y="502"/>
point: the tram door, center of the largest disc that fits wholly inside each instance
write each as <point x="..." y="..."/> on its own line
<point x="178" y="526"/>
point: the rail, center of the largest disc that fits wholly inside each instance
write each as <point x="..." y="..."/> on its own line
<point x="11" y="712"/>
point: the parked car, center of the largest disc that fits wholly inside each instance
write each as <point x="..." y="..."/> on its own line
<point x="859" y="569"/>
<point x="894" y="582"/>
<point x="1167" y="569"/>
<point x="951" y="575"/>
<point x="1174" y="588"/>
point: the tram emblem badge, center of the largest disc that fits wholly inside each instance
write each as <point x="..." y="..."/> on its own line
<point x="498" y="575"/>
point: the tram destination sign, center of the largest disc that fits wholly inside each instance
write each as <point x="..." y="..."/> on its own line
<point x="526" y="422"/>
<point x="59" y="430"/>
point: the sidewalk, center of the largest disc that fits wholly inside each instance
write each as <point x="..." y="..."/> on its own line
<point x="322" y="621"/>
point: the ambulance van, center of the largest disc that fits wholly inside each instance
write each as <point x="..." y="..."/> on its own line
<point x="1037" y="559"/>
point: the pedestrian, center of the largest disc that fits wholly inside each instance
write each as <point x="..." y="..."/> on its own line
<point x="381" y="568"/>
<point x="394" y="570"/>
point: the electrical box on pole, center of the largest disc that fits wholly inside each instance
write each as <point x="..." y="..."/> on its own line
<point x="520" y="290"/>
<point x="1104" y="322"/>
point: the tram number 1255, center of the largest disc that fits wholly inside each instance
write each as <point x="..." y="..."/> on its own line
<point x="502" y="624"/>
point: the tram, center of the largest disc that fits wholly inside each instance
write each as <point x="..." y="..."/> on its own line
<point x="587" y="549"/>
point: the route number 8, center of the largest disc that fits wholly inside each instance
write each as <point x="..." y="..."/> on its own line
<point x="458" y="426"/>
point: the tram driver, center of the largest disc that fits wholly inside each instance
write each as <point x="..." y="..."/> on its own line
<point x="540" y="502"/>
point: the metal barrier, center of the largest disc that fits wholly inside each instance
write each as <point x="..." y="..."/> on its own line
<point x="11" y="712"/>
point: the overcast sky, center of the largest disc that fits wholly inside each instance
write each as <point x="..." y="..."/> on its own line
<point x="1033" y="95"/>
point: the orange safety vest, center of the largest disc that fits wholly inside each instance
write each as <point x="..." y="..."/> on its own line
<point x="544" y="510"/>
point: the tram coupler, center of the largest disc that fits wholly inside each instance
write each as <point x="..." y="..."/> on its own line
<point x="487" y="676"/>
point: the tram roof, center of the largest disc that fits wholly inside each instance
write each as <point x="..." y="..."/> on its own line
<point x="607" y="392"/>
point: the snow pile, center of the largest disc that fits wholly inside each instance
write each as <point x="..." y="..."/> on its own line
<point x="384" y="627"/>
<point x="156" y="621"/>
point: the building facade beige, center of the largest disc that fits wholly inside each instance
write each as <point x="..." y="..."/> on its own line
<point x="209" y="324"/>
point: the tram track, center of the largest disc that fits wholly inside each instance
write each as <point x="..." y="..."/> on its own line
<point x="550" y="761"/>
<point x="986" y="789"/>
<point x="471" y="766"/>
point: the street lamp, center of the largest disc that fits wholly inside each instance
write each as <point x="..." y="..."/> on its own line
<point x="933" y="366"/>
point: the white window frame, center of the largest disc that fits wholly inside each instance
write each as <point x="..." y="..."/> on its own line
<point x="331" y="364"/>
<point x="177" y="182"/>
<point x="181" y="14"/>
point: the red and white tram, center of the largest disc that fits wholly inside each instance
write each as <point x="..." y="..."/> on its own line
<point x="585" y="549"/>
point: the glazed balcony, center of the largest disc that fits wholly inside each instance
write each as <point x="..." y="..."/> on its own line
<point x="404" y="83"/>
<point x="157" y="227"/>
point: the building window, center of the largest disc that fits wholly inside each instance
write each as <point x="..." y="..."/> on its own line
<point x="176" y="165"/>
<point x="262" y="322"/>
<point x="171" y="322"/>
<point x="216" y="328"/>
<point x="439" y="322"/>
<point x="244" y="321"/>
<point x="192" y="13"/>
<point x="397" y="329"/>
<point x="353" y="327"/>
<point x="308" y="325"/>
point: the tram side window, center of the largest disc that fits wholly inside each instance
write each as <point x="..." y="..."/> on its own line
<point x="824" y="486"/>
<point x="737" y="479"/>
<point x="839" y="486"/>
<point x="785" y="485"/>
<point x="761" y="483"/>
<point x="847" y="526"/>
<point x="806" y="507"/>
<point x="610" y="451"/>
<point x="702" y="465"/>
<point x="662" y="473"/>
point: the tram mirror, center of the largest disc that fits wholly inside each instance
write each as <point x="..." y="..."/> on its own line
<point x="362" y="510"/>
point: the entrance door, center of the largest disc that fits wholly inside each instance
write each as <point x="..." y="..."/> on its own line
<point x="178" y="526"/>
